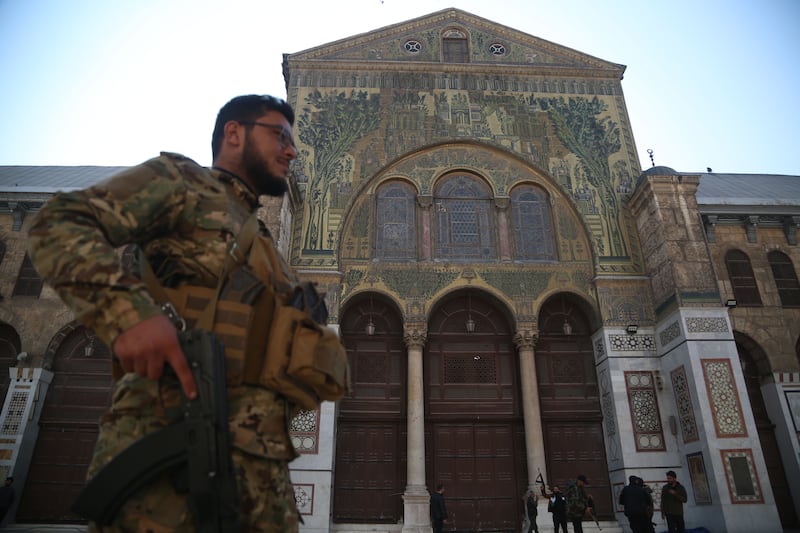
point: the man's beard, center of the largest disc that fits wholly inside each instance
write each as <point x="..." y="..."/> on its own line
<point x="258" y="172"/>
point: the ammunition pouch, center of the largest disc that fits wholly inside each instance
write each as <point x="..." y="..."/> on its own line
<point x="272" y="328"/>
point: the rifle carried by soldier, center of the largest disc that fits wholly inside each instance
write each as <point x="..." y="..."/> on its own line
<point x="198" y="446"/>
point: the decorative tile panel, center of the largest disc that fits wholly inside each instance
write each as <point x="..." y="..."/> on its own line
<point x="632" y="343"/>
<point x="16" y="410"/>
<point x="304" y="431"/>
<point x="742" y="477"/>
<point x="599" y="348"/>
<point x="724" y="398"/>
<point x="683" y="400"/>
<point x="670" y="333"/>
<point x="304" y="498"/>
<point x="645" y="417"/>
<point x="706" y="324"/>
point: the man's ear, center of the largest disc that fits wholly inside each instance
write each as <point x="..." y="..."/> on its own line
<point x="234" y="133"/>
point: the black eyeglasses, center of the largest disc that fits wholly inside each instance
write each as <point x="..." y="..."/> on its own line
<point x="284" y="137"/>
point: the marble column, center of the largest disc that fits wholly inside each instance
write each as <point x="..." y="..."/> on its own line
<point x="501" y="205"/>
<point x="525" y="339"/>
<point x="425" y="202"/>
<point x="416" y="499"/>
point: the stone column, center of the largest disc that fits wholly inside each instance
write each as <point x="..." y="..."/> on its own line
<point x="416" y="499"/>
<point x="425" y="202"/>
<point x="501" y="205"/>
<point x="525" y="338"/>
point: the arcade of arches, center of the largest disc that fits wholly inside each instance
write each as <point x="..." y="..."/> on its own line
<point x="450" y="406"/>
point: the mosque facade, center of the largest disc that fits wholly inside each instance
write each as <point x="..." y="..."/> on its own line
<point x="520" y="301"/>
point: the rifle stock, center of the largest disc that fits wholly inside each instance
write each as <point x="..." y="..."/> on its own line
<point x="201" y="441"/>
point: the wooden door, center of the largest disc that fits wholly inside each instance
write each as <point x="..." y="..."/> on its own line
<point x="570" y="403"/>
<point x="474" y="435"/>
<point x="78" y="395"/>
<point x="478" y="463"/>
<point x="370" y="471"/>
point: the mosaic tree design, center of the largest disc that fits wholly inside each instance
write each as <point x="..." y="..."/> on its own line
<point x="593" y="139"/>
<point x="331" y="123"/>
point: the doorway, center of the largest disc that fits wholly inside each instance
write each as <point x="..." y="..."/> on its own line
<point x="474" y="433"/>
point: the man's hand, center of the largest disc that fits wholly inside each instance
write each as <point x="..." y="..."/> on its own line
<point x="145" y="348"/>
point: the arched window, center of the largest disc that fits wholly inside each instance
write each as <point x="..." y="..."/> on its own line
<point x="455" y="48"/>
<point x="742" y="278"/>
<point x="395" y="216"/>
<point x="530" y="214"/>
<point x="785" y="278"/>
<point x="28" y="281"/>
<point x="464" y="219"/>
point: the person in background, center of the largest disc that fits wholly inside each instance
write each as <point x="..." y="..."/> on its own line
<point x="530" y="508"/>
<point x="649" y="509"/>
<point x="184" y="218"/>
<point x="558" y="506"/>
<point x="6" y="497"/>
<point x="673" y="496"/>
<point x="635" y="501"/>
<point x="438" y="509"/>
<point x="577" y="503"/>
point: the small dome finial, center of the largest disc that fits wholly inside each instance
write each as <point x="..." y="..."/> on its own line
<point x="652" y="161"/>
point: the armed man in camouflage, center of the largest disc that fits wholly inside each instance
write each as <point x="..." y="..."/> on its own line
<point x="183" y="216"/>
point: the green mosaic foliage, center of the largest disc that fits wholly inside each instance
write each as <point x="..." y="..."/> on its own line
<point x="422" y="284"/>
<point x="519" y="283"/>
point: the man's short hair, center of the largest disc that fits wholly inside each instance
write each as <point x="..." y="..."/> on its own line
<point x="582" y="478"/>
<point x="671" y="473"/>
<point x="247" y="108"/>
<point x="439" y="486"/>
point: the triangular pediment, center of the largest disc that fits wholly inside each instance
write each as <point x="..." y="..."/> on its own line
<point x="420" y="41"/>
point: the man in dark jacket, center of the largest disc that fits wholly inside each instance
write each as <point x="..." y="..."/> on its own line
<point x="673" y="496"/>
<point x="533" y="512"/>
<point x="438" y="509"/>
<point x="558" y="506"/>
<point x="635" y="500"/>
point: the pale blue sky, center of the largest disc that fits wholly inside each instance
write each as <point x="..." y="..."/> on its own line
<point x="709" y="83"/>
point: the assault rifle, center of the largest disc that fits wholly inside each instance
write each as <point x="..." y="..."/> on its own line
<point x="197" y="447"/>
<point x="590" y="508"/>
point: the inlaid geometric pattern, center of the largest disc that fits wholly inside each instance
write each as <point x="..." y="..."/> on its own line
<point x="630" y="343"/>
<point x="645" y="417"/>
<point x="304" y="431"/>
<point x="683" y="399"/>
<point x="304" y="498"/>
<point x="670" y="333"/>
<point x="16" y="409"/>
<point x="704" y="324"/>
<point x="724" y="398"/>
<point x="742" y="477"/>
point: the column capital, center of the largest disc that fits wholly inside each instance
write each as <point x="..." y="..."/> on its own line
<point x="526" y="337"/>
<point x="425" y="200"/>
<point x="415" y="334"/>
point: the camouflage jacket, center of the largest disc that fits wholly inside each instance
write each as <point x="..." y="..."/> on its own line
<point x="183" y="216"/>
<point x="577" y="501"/>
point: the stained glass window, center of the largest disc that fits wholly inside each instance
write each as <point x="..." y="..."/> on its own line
<point x="395" y="215"/>
<point x="464" y="219"/>
<point x="530" y="218"/>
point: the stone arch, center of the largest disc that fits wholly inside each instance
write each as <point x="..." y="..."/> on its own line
<point x="757" y="373"/>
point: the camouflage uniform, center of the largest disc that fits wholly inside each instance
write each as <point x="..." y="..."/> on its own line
<point x="183" y="216"/>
